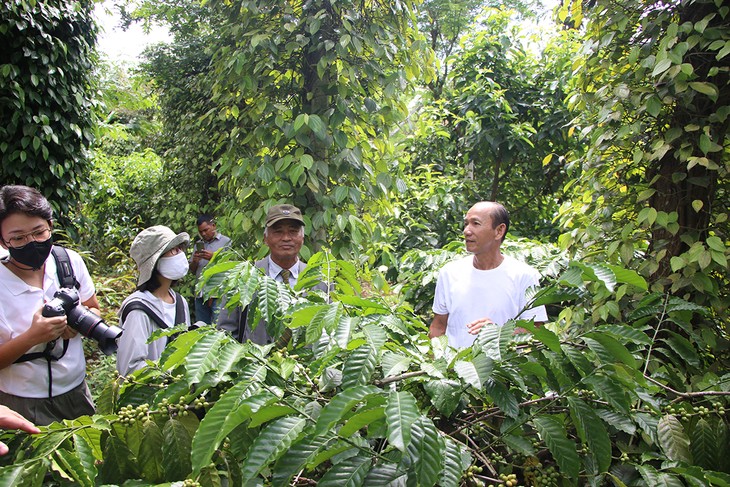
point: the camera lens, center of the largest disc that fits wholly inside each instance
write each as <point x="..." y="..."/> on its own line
<point x="92" y="326"/>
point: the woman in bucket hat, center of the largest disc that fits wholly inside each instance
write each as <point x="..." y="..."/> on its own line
<point x="160" y="257"/>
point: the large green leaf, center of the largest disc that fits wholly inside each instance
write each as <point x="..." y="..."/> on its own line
<point x="626" y="333"/>
<point x="592" y="431"/>
<point x="362" y="419"/>
<point x="502" y="397"/>
<point x="673" y="439"/>
<point x="454" y="463"/>
<point x="655" y="478"/>
<point x="272" y="442"/>
<point x="386" y="474"/>
<point x="564" y="452"/>
<point x="598" y="273"/>
<point x="375" y="335"/>
<point x="299" y="455"/>
<point x="326" y="318"/>
<point x="72" y="467"/>
<point x="445" y="394"/>
<point x="150" y="453"/>
<point x="224" y="416"/>
<point x="607" y="389"/>
<point x="118" y="463"/>
<point x="203" y="356"/>
<point x="682" y="347"/>
<point x="476" y="371"/>
<point x="176" y="353"/>
<point x="704" y="445"/>
<point x="425" y="452"/>
<point x="269" y="304"/>
<point x="401" y="411"/>
<point x="359" y="366"/>
<point x="393" y="363"/>
<point x="492" y="340"/>
<point x="348" y="473"/>
<point x="176" y="450"/>
<point x="340" y="404"/>
<point x="85" y="451"/>
<point x="608" y="349"/>
<point x="25" y="474"/>
<point x="230" y="356"/>
<point x="628" y="276"/>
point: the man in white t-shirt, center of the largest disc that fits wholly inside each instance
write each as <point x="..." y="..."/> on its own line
<point x="486" y="287"/>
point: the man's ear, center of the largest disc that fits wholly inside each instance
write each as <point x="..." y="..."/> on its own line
<point x="501" y="230"/>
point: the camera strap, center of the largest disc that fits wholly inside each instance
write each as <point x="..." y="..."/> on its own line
<point x="49" y="357"/>
<point x="64" y="269"/>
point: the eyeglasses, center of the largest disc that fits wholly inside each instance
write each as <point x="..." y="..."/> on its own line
<point x="19" y="241"/>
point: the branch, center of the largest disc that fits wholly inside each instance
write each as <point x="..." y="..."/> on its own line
<point x="686" y="395"/>
<point x="397" y="378"/>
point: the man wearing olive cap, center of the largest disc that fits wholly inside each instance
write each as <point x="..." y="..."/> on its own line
<point x="284" y="235"/>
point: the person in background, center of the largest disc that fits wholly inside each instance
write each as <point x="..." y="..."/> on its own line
<point x="284" y="236"/>
<point x="42" y="364"/>
<point x="486" y="287"/>
<point x="10" y="420"/>
<point x="206" y="310"/>
<point x="161" y="261"/>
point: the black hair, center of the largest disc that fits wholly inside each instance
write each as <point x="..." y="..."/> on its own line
<point x="205" y="218"/>
<point x="499" y="215"/>
<point x="23" y="199"/>
<point x="152" y="283"/>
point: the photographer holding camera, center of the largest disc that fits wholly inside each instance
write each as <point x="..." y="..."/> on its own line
<point x="42" y="364"/>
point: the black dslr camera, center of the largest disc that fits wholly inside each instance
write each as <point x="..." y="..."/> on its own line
<point x="81" y="319"/>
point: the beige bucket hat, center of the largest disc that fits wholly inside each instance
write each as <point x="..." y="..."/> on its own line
<point x="150" y="244"/>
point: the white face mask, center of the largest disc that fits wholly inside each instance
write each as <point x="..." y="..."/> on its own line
<point x="174" y="267"/>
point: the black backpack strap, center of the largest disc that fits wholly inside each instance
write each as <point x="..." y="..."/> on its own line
<point x="64" y="269"/>
<point x="141" y="306"/>
<point x="179" y="308"/>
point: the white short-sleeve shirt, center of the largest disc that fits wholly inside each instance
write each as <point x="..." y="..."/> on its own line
<point x="19" y="301"/>
<point x="465" y="294"/>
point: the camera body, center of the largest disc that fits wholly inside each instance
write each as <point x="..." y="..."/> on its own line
<point x="66" y="302"/>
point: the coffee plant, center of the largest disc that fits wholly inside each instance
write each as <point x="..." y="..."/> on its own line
<point x="623" y="387"/>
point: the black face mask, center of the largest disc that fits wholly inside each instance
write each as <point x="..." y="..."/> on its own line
<point x="33" y="254"/>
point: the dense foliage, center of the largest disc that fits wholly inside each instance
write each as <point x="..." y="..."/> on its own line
<point x="652" y="98"/>
<point x="361" y="397"/>
<point x="611" y="133"/>
<point x="46" y="97"/>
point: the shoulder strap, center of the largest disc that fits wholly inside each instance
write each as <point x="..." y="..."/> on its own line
<point x="142" y="306"/>
<point x="64" y="269"/>
<point x="179" y="308"/>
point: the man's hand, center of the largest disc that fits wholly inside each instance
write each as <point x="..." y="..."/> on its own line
<point x="203" y="254"/>
<point x="10" y="420"/>
<point x="477" y="325"/>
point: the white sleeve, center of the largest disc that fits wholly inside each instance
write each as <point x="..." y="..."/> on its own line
<point x="440" y="303"/>
<point x="133" y="349"/>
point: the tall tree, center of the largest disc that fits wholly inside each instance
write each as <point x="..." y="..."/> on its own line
<point x="314" y="89"/>
<point x="654" y="100"/>
<point x="502" y="122"/>
<point x="46" y="96"/>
